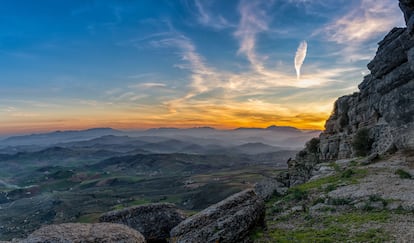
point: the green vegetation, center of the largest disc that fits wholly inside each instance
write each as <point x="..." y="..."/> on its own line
<point x="403" y="174"/>
<point x="345" y="227"/>
<point x="335" y="166"/>
<point x="349" y="176"/>
<point x="361" y="142"/>
<point x="297" y="194"/>
<point x="89" y="218"/>
<point x="313" y="145"/>
<point x="347" y="173"/>
<point x="353" y="163"/>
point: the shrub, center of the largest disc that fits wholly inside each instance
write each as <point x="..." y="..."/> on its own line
<point x="298" y="194"/>
<point x="330" y="188"/>
<point x="361" y="142"/>
<point x="348" y="173"/>
<point x="313" y="145"/>
<point x="302" y="153"/>
<point x="403" y="174"/>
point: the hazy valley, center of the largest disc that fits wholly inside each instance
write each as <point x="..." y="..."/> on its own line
<point x="74" y="176"/>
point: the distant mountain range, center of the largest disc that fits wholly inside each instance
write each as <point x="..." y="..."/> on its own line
<point x="273" y="135"/>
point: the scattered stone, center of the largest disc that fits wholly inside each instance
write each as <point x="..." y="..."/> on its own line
<point x="385" y="185"/>
<point x="320" y="207"/>
<point x="298" y="208"/>
<point x="321" y="170"/>
<point x="85" y="233"/>
<point x="230" y="220"/>
<point x="154" y="221"/>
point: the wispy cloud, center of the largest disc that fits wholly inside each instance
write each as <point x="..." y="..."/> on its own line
<point x="206" y="18"/>
<point x="253" y="21"/>
<point x="148" y="85"/>
<point x="369" y="19"/>
<point x="363" y="25"/>
<point x="300" y="57"/>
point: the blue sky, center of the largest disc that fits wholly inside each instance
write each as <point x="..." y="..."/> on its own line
<point x="183" y="63"/>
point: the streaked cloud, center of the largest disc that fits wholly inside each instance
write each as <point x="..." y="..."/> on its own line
<point x="207" y="18"/>
<point x="300" y="57"/>
<point x="149" y="85"/>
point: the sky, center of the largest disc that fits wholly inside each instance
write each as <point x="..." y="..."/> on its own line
<point x="137" y="64"/>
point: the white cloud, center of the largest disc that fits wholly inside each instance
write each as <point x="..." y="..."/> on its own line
<point x="253" y="21"/>
<point x="149" y="85"/>
<point x="207" y="18"/>
<point x="300" y="57"/>
<point x="363" y="25"/>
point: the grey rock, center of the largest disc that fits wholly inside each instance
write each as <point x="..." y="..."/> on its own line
<point x="230" y="220"/>
<point x="371" y="158"/>
<point x="298" y="208"/>
<point x="385" y="185"/>
<point x="268" y="187"/>
<point x="320" y="207"/>
<point x="407" y="7"/>
<point x="154" y="221"/>
<point x="320" y="171"/>
<point x="85" y="233"/>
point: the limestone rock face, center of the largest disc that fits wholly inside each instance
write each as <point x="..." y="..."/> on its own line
<point x="384" y="106"/>
<point x="85" y="233"/>
<point x="154" y="221"/>
<point x="230" y="220"/>
<point x="407" y="6"/>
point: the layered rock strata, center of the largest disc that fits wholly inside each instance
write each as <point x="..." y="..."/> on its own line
<point x="230" y="220"/>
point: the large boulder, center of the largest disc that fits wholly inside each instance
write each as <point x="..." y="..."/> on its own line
<point x="230" y="220"/>
<point x="85" y="233"/>
<point x="154" y="221"/>
<point x="267" y="187"/>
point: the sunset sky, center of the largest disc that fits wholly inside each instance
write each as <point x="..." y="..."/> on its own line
<point x="183" y="63"/>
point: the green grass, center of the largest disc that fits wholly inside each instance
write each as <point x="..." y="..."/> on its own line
<point x="89" y="218"/>
<point x="349" y="176"/>
<point x="345" y="227"/>
<point x="335" y="166"/>
<point x="403" y="174"/>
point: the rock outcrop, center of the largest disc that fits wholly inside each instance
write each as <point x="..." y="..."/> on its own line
<point x="230" y="220"/>
<point x="379" y="118"/>
<point x="154" y="221"/>
<point x="384" y="105"/>
<point x="85" y="233"/>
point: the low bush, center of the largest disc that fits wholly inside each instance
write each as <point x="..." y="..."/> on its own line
<point x="362" y="143"/>
<point x="403" y="174"/>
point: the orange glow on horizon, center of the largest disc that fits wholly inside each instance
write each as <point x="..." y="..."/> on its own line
<point x="143" y="125"/>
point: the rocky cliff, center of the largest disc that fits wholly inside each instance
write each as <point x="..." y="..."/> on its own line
<point x="377" y="119"/>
